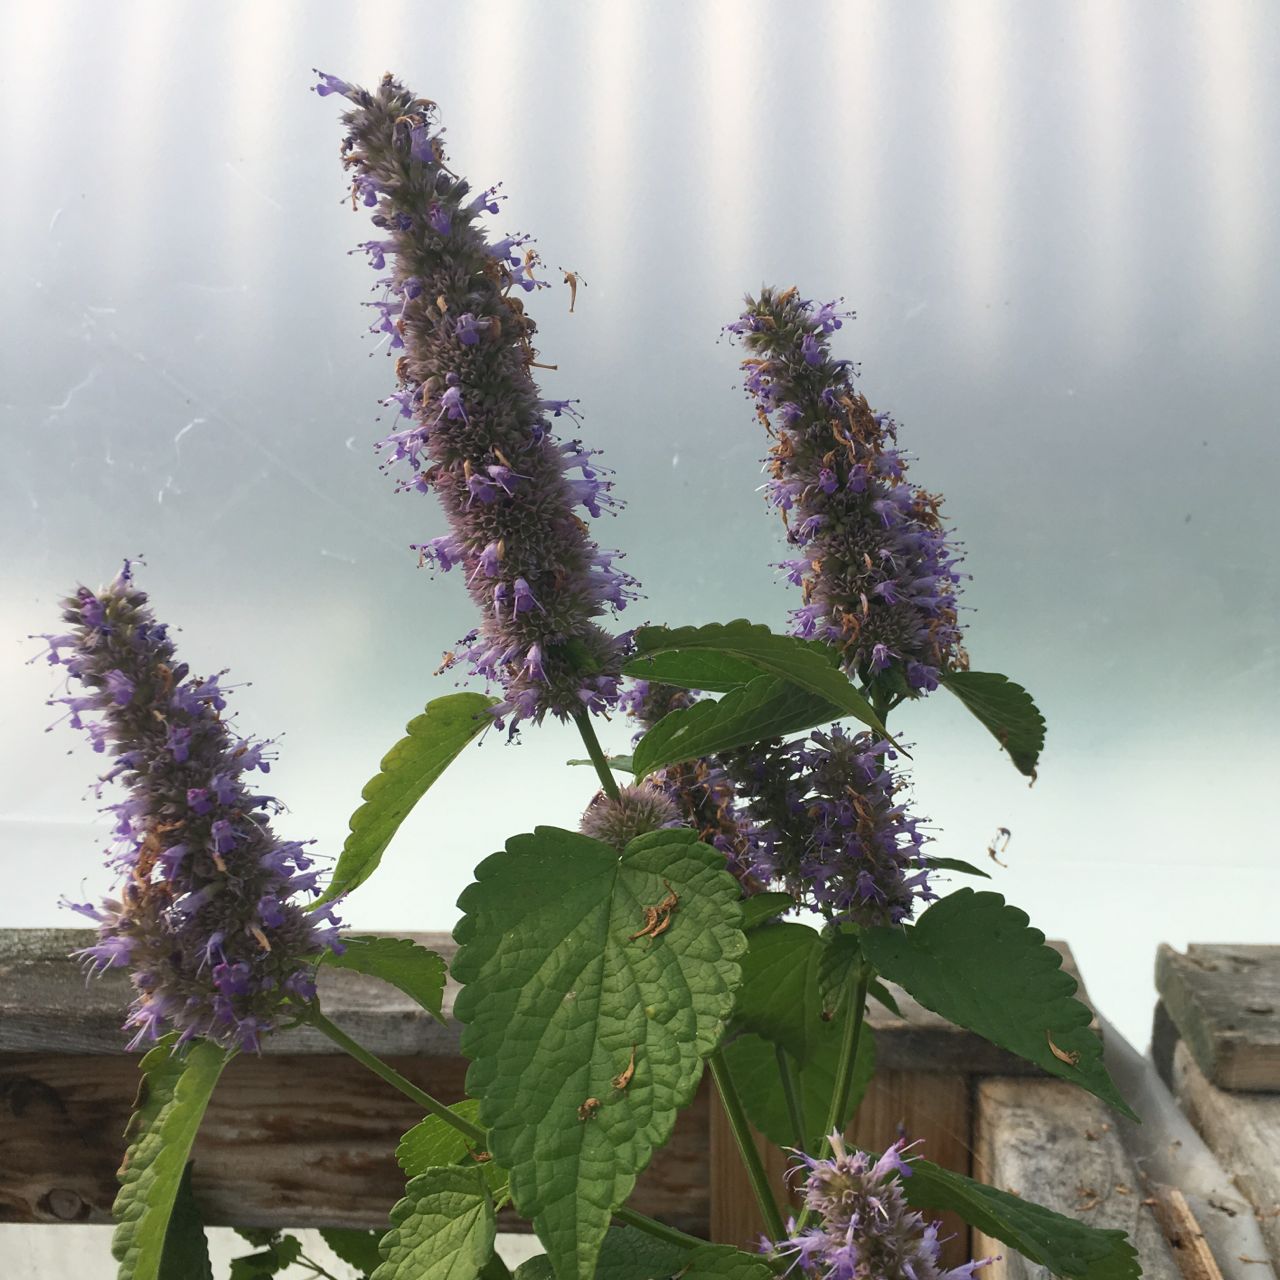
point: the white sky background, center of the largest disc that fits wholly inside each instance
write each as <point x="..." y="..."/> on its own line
<point x="1056" y="223"/>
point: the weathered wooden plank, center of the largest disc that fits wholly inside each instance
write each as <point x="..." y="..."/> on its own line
<point x="1055" y="1144"/>
<point x="1243" y="1131"/>
<point x="47" y="1005"/>
<point x="1183" y="1232"/>
<point x="1225" y="1002"/>
<point x="289" y="1140"/>
<point x="931" y="1107"/>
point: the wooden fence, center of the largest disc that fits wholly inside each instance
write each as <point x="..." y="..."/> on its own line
<point x="67" y="1085"/>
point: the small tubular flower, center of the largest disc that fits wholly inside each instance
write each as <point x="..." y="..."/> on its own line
<point x="879" y="575"/>
<point x="209" y="913"/>
<point x="866" y="1229"/>
<point x="829" y="828"/>
<point x="478" y="432"/>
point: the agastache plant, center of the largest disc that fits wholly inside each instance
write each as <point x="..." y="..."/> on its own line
<point x="601" y="970"/>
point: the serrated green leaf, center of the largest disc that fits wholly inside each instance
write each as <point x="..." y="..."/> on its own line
<point x="766" y="708"/>
<point x="186" y="1248"/>
<point x="280" y="1253"/>
<point x="1006" y="709"/>
<point x="808" y="664"/>
<point x="432" y="1142"/>
<point x="419" y="973"/>
<point x="760" y="908"/>
<point x="957" y="864"/>
<point x="723" y="1262"/>
<point x="1063" y="1245"/>
<point x="431" y="743"/>
<point x="627" y="1254"/>
<point x="561" y="990"/>
<point x="443" y="1229"/>
<point x="977" y="961"/>
<point x="781" y="1003"/>
<point x="705" y="671"/>
<point x="357" y="1249"/>
<point x="172" y="1097"/>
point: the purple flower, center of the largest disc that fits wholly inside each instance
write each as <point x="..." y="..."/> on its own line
<point x="829" y="828"/>
<point x="207" y="915"/>
<point x="879" y="575"/>
<point x="481" y="438"/>
<point x="865" y="1228"/>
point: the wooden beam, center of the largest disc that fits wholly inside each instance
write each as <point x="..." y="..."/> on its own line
<point x="1225" y="1002"/>
<point x="1053" y="1143"/>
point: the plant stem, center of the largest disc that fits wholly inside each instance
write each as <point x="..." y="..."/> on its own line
<point x="316" y="1267"/>
<point x="583" y="720"/>
<point x="659" y="1230"/>
<point x="379" y="1068"/>
<point x="848" y="1057"/>
<point x="791" y="1092"/>
<point x="746" y="1146"/>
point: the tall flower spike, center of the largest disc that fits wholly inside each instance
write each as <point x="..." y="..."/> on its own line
<point x="866" y="1230"/>
<point x="878" y="574"/>
<point x="829" y="828"/>
<point x="473" y="425"/>
<point x="208" y="915"/>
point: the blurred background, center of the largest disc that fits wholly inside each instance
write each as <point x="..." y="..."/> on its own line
<point x="1056" y="223"/>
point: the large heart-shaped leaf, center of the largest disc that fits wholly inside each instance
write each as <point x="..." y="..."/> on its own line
<point x="594" y="987"/>
<point x="809" y="664"/>
<point x="1006" y="709"/>
<point x="977" y="961"/>
<point x="419" y="973"/>
<point x="172" y="1097"/>
<point x="766" y="708"/>
<point x="431" y="743"/>
<point x="627" y="1254"/>
<point x="1062" y="1245"/>
<point x="443" y="1229"/>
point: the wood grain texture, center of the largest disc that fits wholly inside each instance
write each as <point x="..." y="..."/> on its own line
<point x="1243" y="1131"/>
<point x="1225" y="1002"/>
<point x="1183" y="1232"/>
<point x="1053" y="1143"/>
<point x="931" y="1107"/>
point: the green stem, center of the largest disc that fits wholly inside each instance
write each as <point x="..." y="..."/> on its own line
<point x="659" y="1230"/>
<point x="316" y="1267"/>
<point x="746" y="1146"/>
<point x="848" y="1057"/>
<point x="791" y="1092"/>
<point x="583" y="720"/>
<point x="379" y="1068"/>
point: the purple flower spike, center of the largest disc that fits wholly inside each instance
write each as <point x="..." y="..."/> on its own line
<point x="482" y="439"/>
<point x="879" y="575"/>
<point x="865" y="1228"/>
<point x="207" y="915"/>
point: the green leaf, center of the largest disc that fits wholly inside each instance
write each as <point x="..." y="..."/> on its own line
<point x="838" y="964"/>
<point x="627" y="1254"/>
<point x="443" y="1229"/>
<point x="419" y="973"/>
<point x="766" y="708"/>
<point x="357" y="1249"/>
<point x="957" y="864"/>
<point x="809" y="664"/>
<point x="781" y="1003"/>
<point x="1062" y="1245"/>
<point x="761" y="908"/>
<point x="280" y="1253"/>
<point x="878" y="991"/>
<point x="976" y="960"/>
<point x="172" y="1097"/>
<point x="705" y="671"/>
<point x="432" y="1142"/>
<point x="433" y="740"/>
<point x="562" y="998"/>
<point x="723" y="1262"/>
<point x="186" y="1250"/>
<point x="1006" y="709"/>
